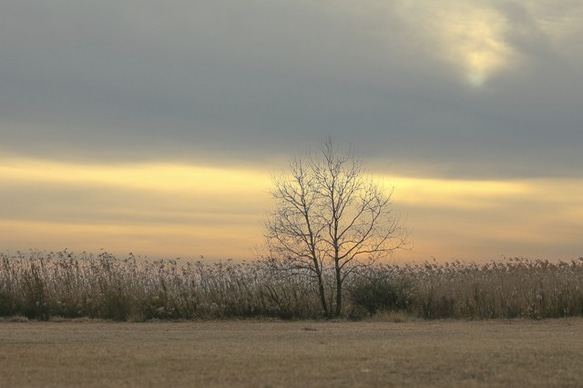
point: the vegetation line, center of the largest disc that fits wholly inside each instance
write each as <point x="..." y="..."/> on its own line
<point x="41" y="285"/>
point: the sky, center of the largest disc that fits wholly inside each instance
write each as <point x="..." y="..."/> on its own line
<point x="156" y="127"/>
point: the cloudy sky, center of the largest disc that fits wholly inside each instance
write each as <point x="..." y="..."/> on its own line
<point x="155" y="127"/>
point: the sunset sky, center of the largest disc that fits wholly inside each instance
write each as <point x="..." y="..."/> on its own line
<point x="155" y="127"/>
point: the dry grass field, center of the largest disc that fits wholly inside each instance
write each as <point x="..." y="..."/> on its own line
<point x="286" y="354"/>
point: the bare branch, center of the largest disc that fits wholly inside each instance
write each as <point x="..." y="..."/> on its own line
<point x="329" y="217"/>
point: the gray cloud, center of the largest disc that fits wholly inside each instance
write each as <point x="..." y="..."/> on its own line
<point x="227" y="81"/>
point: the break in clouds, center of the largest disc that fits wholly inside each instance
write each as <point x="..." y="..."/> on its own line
<point x="482" y="89"/>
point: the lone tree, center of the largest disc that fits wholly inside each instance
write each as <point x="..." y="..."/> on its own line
<point x="330" y="219"/>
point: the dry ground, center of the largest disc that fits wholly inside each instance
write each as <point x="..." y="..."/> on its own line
<point x="304" y="354"/>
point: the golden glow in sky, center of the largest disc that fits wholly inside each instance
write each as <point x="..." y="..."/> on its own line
<point x="167" y="210"/>
<point x="157" y="209"/>
<point x="157" y="177"/>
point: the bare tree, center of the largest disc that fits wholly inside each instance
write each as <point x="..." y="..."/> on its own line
<point x="329" y="217"/>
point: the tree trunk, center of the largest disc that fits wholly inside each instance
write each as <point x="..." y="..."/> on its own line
<point x="322" y="294"/>
<point x="338" y="289"/>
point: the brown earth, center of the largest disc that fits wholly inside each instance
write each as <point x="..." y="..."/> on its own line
<point x="292" y="354"/>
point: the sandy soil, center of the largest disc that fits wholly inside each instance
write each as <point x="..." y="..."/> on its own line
<point x="292" y="354"/>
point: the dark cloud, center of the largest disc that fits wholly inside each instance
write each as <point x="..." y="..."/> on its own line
<point x="228" y="81"/>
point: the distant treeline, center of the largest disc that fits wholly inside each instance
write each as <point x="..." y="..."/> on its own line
<point x="53" y="285"/>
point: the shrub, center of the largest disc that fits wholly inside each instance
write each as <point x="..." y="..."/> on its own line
<point x="380" y="289"/>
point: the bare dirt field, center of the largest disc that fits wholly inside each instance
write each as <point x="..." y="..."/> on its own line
<point x="295" y="354"/>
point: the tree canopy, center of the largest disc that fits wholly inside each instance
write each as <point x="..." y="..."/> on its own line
<point x="329" y="218"/>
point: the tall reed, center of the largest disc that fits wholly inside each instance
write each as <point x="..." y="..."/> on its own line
<point x="44" y="285"/>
